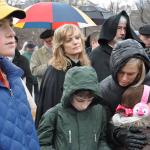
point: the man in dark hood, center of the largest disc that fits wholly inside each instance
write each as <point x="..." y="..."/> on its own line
<point x="114" y="29"/>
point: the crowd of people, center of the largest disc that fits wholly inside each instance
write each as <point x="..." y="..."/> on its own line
<point x="66" y="96"/>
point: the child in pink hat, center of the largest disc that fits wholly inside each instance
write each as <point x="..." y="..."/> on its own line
<point x="134" y="110"/>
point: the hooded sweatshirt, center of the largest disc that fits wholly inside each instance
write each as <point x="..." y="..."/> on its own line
<point x="100" y="56"/>
<point x="65" y="128"/>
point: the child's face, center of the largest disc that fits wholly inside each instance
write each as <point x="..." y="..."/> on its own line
<point x="82" y="100"/>
<point x="7" y="40"/>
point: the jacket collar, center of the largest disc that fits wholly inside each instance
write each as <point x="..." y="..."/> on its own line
<point x="107" y="49"/>
<point x="9" y="68"/>
<point x="46" y="51"/>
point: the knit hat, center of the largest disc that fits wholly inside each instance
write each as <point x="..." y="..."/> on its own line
<point x="145" y="30"/>
<point x="46" y="34"/>
<point x="30" y="44"/>
<point x="7" y="10"/>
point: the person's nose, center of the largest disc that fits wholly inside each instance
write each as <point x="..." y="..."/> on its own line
<point x="85" y="105"/>
<point x="75" y="41"/>
<point x="123" y="31"/>
<point x="10" y="32"/>
<point x="124" y="77"/>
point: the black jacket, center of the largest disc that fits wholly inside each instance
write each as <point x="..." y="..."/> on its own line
<point x="100" y="56"/>
<point x="23" y="63"/>
<point x="51" y="90"/>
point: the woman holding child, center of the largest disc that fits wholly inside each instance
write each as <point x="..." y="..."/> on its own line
<point x="129" y="66"/>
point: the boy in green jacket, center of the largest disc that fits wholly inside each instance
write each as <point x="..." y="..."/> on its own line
<point x="79" y="121"/>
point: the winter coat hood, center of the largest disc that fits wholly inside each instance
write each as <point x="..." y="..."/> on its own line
<point x="109" y="29"/>
<point x="78" y="78"/>
<point x="125" y="50"/>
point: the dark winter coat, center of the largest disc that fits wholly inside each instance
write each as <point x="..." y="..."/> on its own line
<point x="17" y="130"/>
<point x="110" y="90"/>
<point x="100" y="56"/>
<point x="50" y="90"/>
<point x="65" y="128"/>
<point x="23" y="63"/>
<point x="109" y="87"/>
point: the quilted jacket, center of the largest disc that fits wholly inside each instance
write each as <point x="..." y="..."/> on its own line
<point x="17" y="131"/>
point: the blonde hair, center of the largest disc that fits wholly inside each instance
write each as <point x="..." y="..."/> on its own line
<point x="142" y="70"/>
<point x="59" y="60"/>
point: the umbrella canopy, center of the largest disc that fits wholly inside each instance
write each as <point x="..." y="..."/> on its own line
<point x="52" y="15"/>
<point x="97" y="14"/>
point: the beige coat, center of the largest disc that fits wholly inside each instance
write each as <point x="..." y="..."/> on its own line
<point x="39" y="62"/>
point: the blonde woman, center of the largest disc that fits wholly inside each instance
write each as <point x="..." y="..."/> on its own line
<point x="68" y="51"/>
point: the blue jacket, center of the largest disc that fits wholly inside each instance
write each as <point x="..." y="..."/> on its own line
<point x="17" y="131"/>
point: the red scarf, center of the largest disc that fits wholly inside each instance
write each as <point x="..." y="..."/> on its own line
<point x="3" y="79"/>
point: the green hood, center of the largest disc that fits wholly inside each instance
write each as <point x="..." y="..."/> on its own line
<point x="77" y="78"/>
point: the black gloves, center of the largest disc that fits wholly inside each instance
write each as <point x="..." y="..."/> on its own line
<point x="132" y="138"/>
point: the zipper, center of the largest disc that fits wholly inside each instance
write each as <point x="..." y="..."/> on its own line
<point x="9" y="90"/>
<point x="11" y="93"/>
<point x="78" y="129"/>
<point x="70" y="140"/>
<point x="95" y="136"/>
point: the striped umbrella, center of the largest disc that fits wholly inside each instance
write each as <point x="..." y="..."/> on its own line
<point x="52" y="15"/>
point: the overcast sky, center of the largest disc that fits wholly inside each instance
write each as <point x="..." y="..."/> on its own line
<point x="105" y="3"/>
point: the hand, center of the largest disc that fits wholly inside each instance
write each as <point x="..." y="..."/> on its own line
<point x="133" y="138"/>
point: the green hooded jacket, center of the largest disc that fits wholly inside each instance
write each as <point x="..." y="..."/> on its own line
<point x="65" y="128"/>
